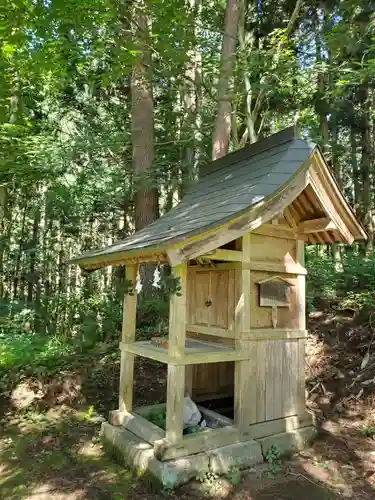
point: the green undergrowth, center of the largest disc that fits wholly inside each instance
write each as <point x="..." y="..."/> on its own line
<point x="59" y="454"/>
<point x="346" y="282"/>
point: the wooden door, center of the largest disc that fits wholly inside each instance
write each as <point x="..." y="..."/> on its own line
<point x="211" y="298"/>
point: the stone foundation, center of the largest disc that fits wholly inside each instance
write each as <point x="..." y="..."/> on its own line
<point x="139" y="455"/>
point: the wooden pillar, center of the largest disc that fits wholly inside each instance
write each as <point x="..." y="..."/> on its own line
<point x="128" y="336"/>
<point x="176" y="349"/>
<point x="245" y="383"/>
<point x="301" y="280"/>
<point x="301" y="285"/>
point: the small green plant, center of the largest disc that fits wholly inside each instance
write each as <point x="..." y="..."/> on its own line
<point x="273" y="457"/>
<point x="171" y="285"/>
<point x="208" y="478"/>
<point x="273" y="454"/>
<point x="157" y="417"/>
<point x="234" y="475"/>
<point x="368" y="431"/>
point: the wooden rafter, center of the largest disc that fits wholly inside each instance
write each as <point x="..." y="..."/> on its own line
<point x="290" y="219"/>
<point x="316" y="225"/>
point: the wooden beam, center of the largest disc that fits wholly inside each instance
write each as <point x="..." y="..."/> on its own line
<point x="286" y="268"/>
<point x="289" y="218"/>
<point x="328" y="199"/>
<point x="128" y="336"/>
<point x="177" y="314"/>
<point x="175" y="403"/>
<point x="301" y="285"/>
<point x="211" y="330"/>
<point x="196" y="443"/>
<point x="176" y="350"/>
<point x="352" y="228"/>
<point x="276" y="231"/>
<point x="210" y="439"/>
<point x="145" y="349"/>
<point x="316" y="225"/>
<point x="223" y="254"/>
<point x="301" y="290"/>
<point x="244" y="372"/>
<point x="280" y="425"/>
<point x="257" y="334"/>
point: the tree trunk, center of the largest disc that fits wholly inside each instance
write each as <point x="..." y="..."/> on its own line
<point x="222" y="127"/>
<point x="33" y="278"/>
<point x="189" y="103"/>
<point x="142" y="120"/>
<point x="21" y="241"/>
<point x="4" y="235"/>
<point x="142" y="127"/>
<point x="365" y="166"/>
<point x="355" y="170"/>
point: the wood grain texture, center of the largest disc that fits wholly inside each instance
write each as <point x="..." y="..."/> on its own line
<point x="127" y="336"/>
<point x="301" y="286"/>
<point x="276" y="267"/>
<point x="223" y="254"/>
<point x="213" y="379"/>
<point x="273" y="250"/>
<point x="287" y="317"/>
<point x="281" y="377"/>
<point x="211" y="300"/>
<point x="260" y="381"/>
<point x="300" y="379"/>
<point x="175" y="403"/>
<point x="196" y="443"/>
<point x="177" y="314"/>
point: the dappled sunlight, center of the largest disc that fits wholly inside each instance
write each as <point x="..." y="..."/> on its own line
<point x="90" y="449"/>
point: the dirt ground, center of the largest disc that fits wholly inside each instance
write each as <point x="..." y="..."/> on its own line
<point x="50" y="449"/>
<point x="56" y="455"/>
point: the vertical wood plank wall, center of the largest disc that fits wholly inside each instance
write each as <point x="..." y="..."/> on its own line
<point x="271" y="383"/>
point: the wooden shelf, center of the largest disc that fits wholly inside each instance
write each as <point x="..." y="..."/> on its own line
<point x="196" y="352"/>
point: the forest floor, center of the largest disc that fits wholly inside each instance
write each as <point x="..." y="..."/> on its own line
<point x="50" y="449"/>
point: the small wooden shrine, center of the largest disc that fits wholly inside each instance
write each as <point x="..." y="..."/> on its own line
<point x="237" y="329"/>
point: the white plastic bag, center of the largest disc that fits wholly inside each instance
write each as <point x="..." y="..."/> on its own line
<point x="192" y="416"/>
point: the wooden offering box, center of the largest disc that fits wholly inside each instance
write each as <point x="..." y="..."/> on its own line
<point x="237" y="325"/>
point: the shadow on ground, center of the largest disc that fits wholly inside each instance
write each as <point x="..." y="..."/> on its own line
<point x="57" y="456"/>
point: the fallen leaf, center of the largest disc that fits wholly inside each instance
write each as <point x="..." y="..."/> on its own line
<point x="365" y="360"/>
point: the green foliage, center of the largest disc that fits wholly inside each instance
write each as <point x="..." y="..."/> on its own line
<point x="30" y="353"/>
<point x="234" y="475"/>
<point x="152" y="313"/>
<point x="368" y="431"/>
<point x="66" y="178"/>
<point x="171" y="285"/>
<point x="349" y="283"/>
<point x="273" y="454"/>
<point x="158" y="417"/>
<point x="273" y="457"/>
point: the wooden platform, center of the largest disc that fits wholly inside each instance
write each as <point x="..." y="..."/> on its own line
<point x="195" y="352"/>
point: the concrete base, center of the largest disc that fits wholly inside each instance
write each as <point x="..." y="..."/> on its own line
<point x="288" y="442"/>
<point x="139" y="455"/>
<point x="241" y="455"/>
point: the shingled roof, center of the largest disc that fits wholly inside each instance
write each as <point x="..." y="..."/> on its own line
<point x="227" y="188"/>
